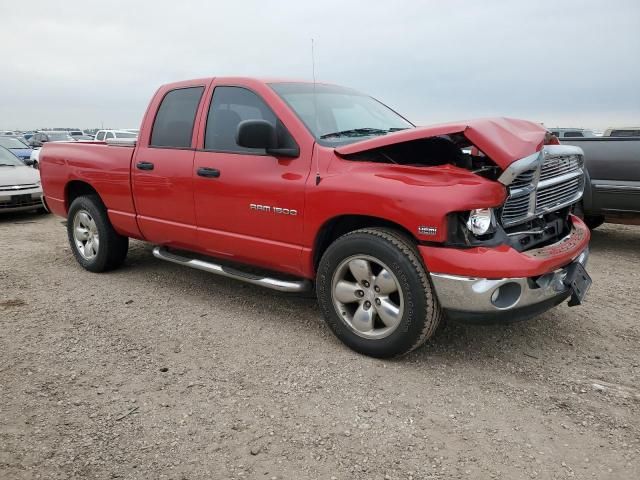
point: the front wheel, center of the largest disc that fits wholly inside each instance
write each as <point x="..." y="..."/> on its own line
<point x="375" y="293"/>
<point x="94" y="242"/>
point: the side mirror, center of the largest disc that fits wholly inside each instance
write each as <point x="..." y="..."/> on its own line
<point x="256" y="134"/>
<point x="28" y="162"/>
<point x="262" y="134"/>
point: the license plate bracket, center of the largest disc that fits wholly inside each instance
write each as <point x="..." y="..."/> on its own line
<point x="579" y="281"/>
<point x="25" y="197"/>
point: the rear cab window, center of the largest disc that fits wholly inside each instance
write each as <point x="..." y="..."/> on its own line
<point x="174" y="122"/>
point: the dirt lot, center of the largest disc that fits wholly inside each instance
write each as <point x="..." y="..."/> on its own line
<point x="157" y="371"/>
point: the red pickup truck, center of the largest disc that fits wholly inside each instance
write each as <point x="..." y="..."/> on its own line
<point x="292" y="185"/>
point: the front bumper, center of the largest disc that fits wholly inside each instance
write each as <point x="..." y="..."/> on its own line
<point x="482" y="300"/>
<point x="21" y="200"/>
<point x="530" y="290"/>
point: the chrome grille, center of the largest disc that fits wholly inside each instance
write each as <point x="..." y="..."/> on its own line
<point x="543" y="183"/>
<point x="515" y="209"/>
<point x="17" y="188"/>
<point x="560" y="165"/>
<point x="524" y="179"/>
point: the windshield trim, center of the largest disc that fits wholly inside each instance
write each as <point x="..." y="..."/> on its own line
<point x="342" y="140"/>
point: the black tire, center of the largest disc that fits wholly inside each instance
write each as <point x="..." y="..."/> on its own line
<point x="593" y="221"/>
<point x="113" y="247"/>
<point x="421" y="313"/>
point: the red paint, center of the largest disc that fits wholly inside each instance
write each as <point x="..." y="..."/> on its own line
<point x="502" y="261"/>
<point x="173" y="206"/>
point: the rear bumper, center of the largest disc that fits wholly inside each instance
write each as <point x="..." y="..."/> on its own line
<point x="500" y="284"/>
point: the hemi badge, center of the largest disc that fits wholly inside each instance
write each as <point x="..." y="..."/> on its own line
<point x="422" y="230"/>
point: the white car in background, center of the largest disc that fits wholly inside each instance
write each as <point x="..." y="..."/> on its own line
<point x="104" y="135"/>
<point x="20" y="187"/>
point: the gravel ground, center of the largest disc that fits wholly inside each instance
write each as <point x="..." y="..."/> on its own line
<point x="158" y="371"/>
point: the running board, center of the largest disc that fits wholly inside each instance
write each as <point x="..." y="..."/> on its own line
<point x="273" y="283"/>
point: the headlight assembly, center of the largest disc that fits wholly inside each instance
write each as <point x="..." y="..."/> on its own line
<point x="481" y="221"/>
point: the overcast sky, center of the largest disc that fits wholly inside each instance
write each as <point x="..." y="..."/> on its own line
<point x="84" y="64"/>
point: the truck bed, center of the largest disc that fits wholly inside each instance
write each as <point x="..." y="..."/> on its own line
<point x="107" y="167"/>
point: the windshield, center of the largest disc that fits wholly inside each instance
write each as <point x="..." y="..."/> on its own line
<point x="57" y="137"/>
<point x="337" y="115"/>
<point x="8" y="159"/>
<point x="10" y="142"/>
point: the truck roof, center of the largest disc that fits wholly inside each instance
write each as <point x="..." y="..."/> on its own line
<point x="247" y="80"/>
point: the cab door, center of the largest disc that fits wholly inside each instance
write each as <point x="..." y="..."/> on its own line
<point x="249" y="204"/>
<point x="162" y="169"/>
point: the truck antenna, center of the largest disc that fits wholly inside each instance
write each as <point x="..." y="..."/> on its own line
<point x="315" y="107"/>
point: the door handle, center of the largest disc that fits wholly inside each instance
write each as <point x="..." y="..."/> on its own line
<point x="208" y="172"/>
<point x="144" y="166"/>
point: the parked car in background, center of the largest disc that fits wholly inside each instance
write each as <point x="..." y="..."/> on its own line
<point x="76" y="133"/>
<point x="622" y="132"/>
<point x="16" y="146"/>
<point x="104" y="135"/>
<point x="84" y="138"/>
<point x="40" y="138"/>
<point x="572" y="132"/>
<point x="27" y="135"/>
<point x="612" y="188"/>
<point x="9" y="133"/>
<point x="20" y="187"/>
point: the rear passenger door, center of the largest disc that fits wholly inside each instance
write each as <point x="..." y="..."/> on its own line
<point x="162" y="169"/>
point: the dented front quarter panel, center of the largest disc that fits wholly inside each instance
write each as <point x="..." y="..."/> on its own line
<point x="411" y="196"/>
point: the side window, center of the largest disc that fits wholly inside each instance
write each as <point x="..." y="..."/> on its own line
<point x="625" y="133"/>
<point x="100" y="136"/>
<point x="230" y="106"/>
<point x="109" y="135"/>
<point x="556" y="133"/>
<point x="173" y="125"/>
<point x="573" y="134"/>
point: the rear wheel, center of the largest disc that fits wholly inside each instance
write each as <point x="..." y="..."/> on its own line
<point x="94" y="242"/>
<point x="375" y="293"/>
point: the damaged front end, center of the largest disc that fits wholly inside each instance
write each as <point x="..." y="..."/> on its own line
<point x="542" y="179"/>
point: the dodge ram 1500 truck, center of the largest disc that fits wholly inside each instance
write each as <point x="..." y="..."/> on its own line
<point x="292" y="185"/>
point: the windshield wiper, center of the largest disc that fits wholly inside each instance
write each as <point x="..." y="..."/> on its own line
<point x="356" y="132"/>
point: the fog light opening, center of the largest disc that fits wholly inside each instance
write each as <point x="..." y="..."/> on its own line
<point x="506" y="295"/>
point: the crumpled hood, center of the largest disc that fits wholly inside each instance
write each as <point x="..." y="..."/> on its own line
<point x="503" y="140"/>
<point x="19" y="175"/>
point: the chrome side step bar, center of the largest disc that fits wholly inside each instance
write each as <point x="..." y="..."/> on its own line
<point x="302" y="285"/>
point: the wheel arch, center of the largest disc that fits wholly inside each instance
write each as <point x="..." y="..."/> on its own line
<point x="75" y="189"/>
<point x="337" y="226"/>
